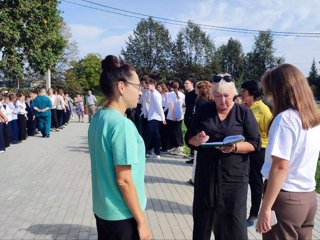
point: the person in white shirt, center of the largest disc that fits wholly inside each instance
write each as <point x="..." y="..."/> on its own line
<point x="155" y="116"/>
<point x="7" y="128"/>
<point x="52" y="94"/>
<point x="3" y="122"/>
<point x="176" y="101"/>
<point x="291" y="156"/>
<point x="163" y="90"/>
<point x="144" y="100"/>
<point x="14" y="123"/>
<point x="22" y="116"/>
<point x="60" y="108"/>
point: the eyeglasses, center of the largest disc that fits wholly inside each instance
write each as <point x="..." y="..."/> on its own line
<point x="219" y="78"/>
<point x="137" y="86"/>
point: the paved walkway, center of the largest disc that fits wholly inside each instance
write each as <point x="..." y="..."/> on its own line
<point x="45" y="191"/>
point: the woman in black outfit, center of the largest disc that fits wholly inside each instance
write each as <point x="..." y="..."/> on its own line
<point x="222" y="174"/>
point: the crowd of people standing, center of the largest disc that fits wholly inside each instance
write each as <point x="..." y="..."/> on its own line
<point x="280" y="147"/>
<point x="24" y="115"/>
<point x="159" y="115"/>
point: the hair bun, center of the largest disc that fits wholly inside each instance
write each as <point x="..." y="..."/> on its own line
<point x="110" y="62"/>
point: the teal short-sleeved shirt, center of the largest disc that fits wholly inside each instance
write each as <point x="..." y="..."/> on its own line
<point x="114" y="140"/>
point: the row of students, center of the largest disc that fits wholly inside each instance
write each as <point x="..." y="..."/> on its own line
<point x="20" y="117"/>
<point x="159" y="116"/>
<point x="13" y="119"/>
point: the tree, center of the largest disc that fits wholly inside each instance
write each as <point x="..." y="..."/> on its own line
<point x="30" y="38"/>
<point x="179" y="61"/>
<point x="231" y="58"/>
<point x="314" y="79"/>
<point x="262" y="57"/>
<point x="193" y="54"/>
<point x="148" y="49"/>
<point x="84" y="74"/>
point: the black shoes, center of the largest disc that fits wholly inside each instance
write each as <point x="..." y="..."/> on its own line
<point x="189" y="161"/>
<point x="190" y="182"/>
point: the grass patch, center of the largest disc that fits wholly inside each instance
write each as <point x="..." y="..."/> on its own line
<point x="318" y="177"/>
<point x="186" y="149"/>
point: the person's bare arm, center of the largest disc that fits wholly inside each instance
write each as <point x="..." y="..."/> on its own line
<point x="129" y="193"/>
<point x="277" y="175"/>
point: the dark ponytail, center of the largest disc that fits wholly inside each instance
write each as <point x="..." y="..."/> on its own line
<point x="175" y="86"/>
<point x="113" y="71"/>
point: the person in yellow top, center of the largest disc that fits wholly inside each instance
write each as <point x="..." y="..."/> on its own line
<point x="252" y="97"/>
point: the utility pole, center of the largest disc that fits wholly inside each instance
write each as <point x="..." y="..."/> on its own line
<point x="48" y="79"/>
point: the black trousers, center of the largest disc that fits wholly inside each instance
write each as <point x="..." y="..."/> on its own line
<point x="6" y="134"/>
<point x="175" y="138"/>
<point x="143" y="127"/>
<point x="54" y="118"/>
<point x="163" y="128"/>
<point x="137" y="118"/>
<point x="152" y="136"/>
<point x="22" y="121"/>
<point x="60" y="114"/>
<point x="31" y="126"/>
<point x="188" y="120"/>
<point x="227" y="219"/>
<point x="2" y="145"/>
<point x="117" y="230"/>
<point x="14" y="128"/>
<point x="66" y="116"/>
<point x="256" y="181"/>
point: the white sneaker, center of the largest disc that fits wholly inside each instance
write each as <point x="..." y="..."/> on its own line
<point x="155" y="156"/>
<point x="1" y="151"/>
<point x="171" y="150"/>
<point x="178" y="150"/>
<point x="149" y="153"/>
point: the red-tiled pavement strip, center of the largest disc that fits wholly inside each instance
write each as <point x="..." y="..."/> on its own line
<point x="45" y="191"/>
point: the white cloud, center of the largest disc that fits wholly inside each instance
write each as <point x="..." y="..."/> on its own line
<point x="93" y="39"/>
<point x="299" y="51"/>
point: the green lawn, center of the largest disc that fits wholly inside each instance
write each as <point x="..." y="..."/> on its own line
<point x="186" y="148"/>
<point x="318" y="177"/>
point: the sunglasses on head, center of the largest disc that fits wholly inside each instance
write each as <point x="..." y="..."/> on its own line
<point x="219" y="78"/>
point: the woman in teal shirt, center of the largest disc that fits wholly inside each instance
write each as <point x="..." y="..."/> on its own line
<point x="117" y="157"/>
<point x="41" y="106"/>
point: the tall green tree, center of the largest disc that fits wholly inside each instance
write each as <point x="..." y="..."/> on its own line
<point x="148" y="48"/>
<point x="193" y="54"/>
<point x="85" y="73"/>
<point x="179" y="62"/>
<point x="314" y="79"/>
<point x="231" y="58"/>
<point x="261" y="57"/>
<point x="30" y="38"/>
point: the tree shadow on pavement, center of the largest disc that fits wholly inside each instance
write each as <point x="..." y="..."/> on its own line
<point x="166" y="206"/>
<point x="84" y="149"/>
<point x="63" y="231"/>
<point x="174" y="161"/>
<point x="153" y="179"/>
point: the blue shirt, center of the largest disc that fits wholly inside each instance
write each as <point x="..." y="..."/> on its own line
<point x="114" y="140"/>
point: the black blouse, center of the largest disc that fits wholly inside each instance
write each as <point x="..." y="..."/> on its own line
<point x="215" y="168"/>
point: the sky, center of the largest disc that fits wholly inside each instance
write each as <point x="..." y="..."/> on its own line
<point x="99" y="31"/>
